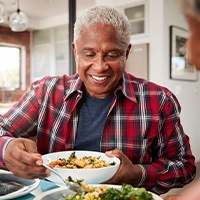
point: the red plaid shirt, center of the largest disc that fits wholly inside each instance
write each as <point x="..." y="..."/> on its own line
<point x="143" y="121"/>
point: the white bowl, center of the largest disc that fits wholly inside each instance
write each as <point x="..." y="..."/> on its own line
<point x="89" y="176"/>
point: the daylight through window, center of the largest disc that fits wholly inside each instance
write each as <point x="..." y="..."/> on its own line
<point x="10" y="62"/>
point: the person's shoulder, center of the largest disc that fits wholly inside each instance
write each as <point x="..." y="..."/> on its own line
<point x="147" y="85"/>
<point x="160" y="87"/>
<point x="46" y="80"/>
<point x="56" y="85"/>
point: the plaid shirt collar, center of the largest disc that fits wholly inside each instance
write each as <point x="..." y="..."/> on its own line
<point x="124" y="86"/>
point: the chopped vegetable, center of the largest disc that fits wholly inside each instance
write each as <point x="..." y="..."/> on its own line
<point x="78" y="163"/>
<point x="102" y="192"/>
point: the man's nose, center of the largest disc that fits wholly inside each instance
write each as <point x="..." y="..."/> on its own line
<point x="100" y="63"/>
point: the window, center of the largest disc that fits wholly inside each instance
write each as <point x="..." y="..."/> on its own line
<point x="136" y="16"/>
<point x="10" y="67"/>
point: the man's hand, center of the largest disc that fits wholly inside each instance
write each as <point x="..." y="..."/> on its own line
<point x="175" y="197"/>
<point x="23" y="160"/>
<point x="127" y="172"/>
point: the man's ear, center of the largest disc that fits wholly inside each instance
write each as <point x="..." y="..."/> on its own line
<point x="74" y="49"/>
<point x="128" y="50"/>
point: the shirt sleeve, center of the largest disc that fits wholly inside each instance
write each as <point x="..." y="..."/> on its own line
<point x="3" y="144"/>
<point x="173" y="165"/>
<point x="19" y="121"/>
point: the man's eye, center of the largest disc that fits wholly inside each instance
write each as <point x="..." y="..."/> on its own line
<point x="89" y="54"/>
<point x="112" y="56"/>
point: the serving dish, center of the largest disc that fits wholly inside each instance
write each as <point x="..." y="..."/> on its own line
<point x="57" y="194"/>
<point x="13" y="187"/>
<point x="89" y="176"/>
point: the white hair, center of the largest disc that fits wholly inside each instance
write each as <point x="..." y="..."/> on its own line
<point x="190" y="7"/>
<point x="104" y="15"/>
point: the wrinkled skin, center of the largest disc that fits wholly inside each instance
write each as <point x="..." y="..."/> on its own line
<point x="100" y="60"/>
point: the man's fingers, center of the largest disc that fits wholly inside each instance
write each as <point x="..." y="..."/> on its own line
<point x="23" y="160"/>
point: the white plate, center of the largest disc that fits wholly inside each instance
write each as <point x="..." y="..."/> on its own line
<point x="57" y="194"/>
<point x="27" y="185"/>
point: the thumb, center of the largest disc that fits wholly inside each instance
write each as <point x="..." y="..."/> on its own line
<point x="30" y="146"/>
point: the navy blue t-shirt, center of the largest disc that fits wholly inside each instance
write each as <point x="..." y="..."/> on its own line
<point x="92" y="117"/>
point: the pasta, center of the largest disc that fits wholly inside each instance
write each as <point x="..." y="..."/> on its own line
<point x="85" y="162"/>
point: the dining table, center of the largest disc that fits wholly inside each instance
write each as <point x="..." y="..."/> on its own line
<point x="16" y="188"/>
<point x="44" y="186"/>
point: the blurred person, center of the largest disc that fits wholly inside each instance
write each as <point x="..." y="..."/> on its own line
<point x="191" y="11"/>
<point x="100" y="108"/>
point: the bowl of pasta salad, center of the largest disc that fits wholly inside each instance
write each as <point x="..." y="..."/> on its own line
<point x="90" y="166"/>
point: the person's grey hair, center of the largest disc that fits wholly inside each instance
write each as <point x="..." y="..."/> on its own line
<point x="191" y="7"/>
<point x="104" y="15"/>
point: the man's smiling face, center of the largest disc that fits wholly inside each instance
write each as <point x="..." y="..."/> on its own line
<point x="100" y="59"/>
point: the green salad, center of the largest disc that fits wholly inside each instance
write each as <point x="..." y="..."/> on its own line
<point x="102" y="192"/>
